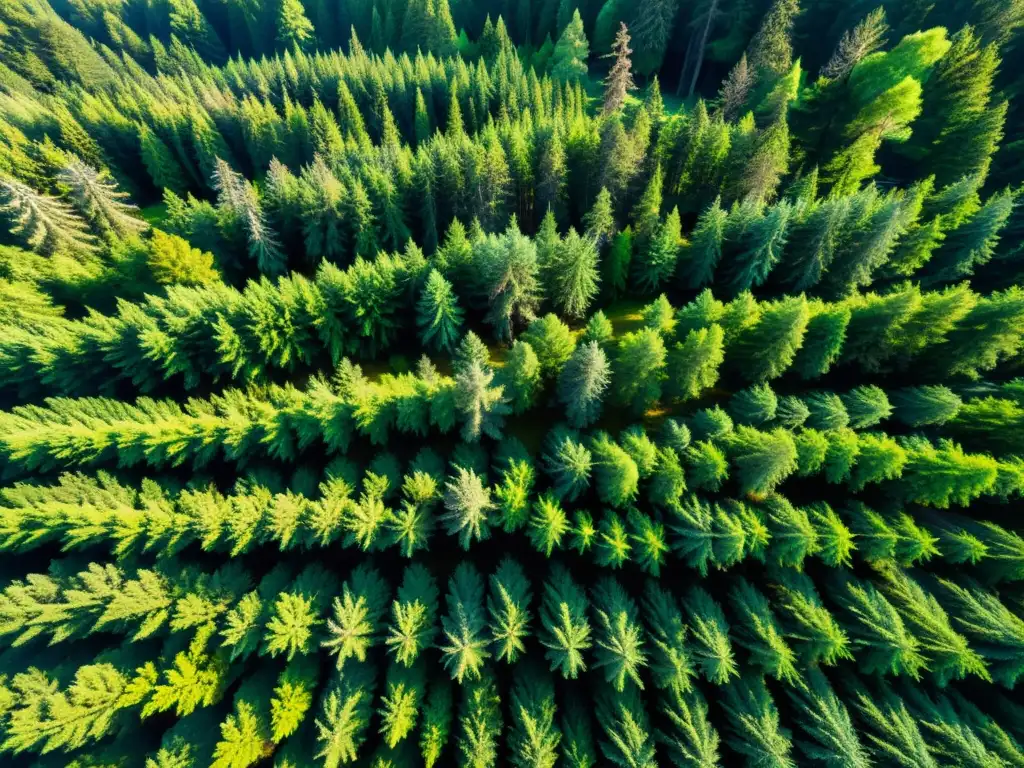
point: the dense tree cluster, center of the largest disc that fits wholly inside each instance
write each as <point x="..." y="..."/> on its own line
<point x="403" y="382"/>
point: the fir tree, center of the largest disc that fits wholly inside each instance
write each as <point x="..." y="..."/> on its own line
<point x="619" y="81"/>
<point x="43" y="223"/>
<point x="293" y="28"/>
<point x="569" y="61"/>
<point x="582" y="384"/>
<point x="439" y="315"/>
<point x="94" y="194"/>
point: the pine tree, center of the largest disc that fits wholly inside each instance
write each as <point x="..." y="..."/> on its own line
<point x="45" y="224"/>
<point x="754" y="406"/>
<point x="711" y="646"/>
<point x="513" y="494"/>
<point x="293" y="28"/>
<point x="619" y="81"/>
<point x="639" y="369"/>
<point x="346" y="713"/>
<point x="95" y="195"/>
<point x="629" y="742"/>
<point x="949" y="654"/>
<point x="574" y="275"/>
<point x="480" y="723"/>
<point x="582" y="384"/>
<point x="569" y="61"/>
<point x="510" y="269"/>
<point x="439" y="315"/>
<point x="703" y="252"/>
<point x="883" y="641"/>
<point x="467" y="503"/>
<point x="693" y="364"/>
<point x="815" y="633"/>
<point x="922" y="406"/>
<point x="534" y="737"/>
<point x="436" y="724"/>
<point x="521" y="376"/>
<point x="769" y="347"/>
<point x="759" y="631"/>
<point x="508" y="605"/>
<point x="357" y="616"/>
<point x="413" y="615"/>
<point x="825" y="718"/>
<point x="600" y="220"/>
<point x="770" y="51"/>
<point x="959" y="128"/>
<point x="570" y="464"/>
<point x="973" y="243"/>
<point x="464" y="647"/>
<point x="482" y="404"/>
<point x="565" y="631"/>
<point x="736" y="89"/>
<point x="173" y="261"/>
<point x="620" y="639"/>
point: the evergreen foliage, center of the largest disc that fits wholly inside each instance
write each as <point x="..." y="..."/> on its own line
<point x="702" y="414"/>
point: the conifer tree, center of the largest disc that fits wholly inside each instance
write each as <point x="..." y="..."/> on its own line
<point x="552" y="341"/>
<point x="467" y="502"/>
<point x="522" y="376"/>
<point x="508" y="605"/>
<point x="513" y="494"/>
<point x="574" y="275"/>
<point x="816" y="634"/>
<point x="616" y="473"/>
<point x="439" y="315"/>
<point x="413" y="615"/>
<point x="600" y="220"/>
<point x="510" y="270"/>
<point x="762" y="459"/>
<point x="569" y="61"/>
<point x="95" y="195"/>
<point x="482" y="404"/>
<point x="760" y="633"/>
<point x="465" y="648"/>
<point x="973" y="243"/>
<point x="293" y="28"/>
<point x="45" y="224"/>
<point x="711" y="646"/>
<point x="617" y="262"/>
<point x="959" y="128"/>
<point x="703" y="252"/>
<point x="582" y="384"/>
<point x="620" y="639"/>
<point x="534" y="737"/>
<point x="357" y="616"/>
<point x="435" y="726"/>
<point x="346" y="713"/>
<point x="565" y="631"/>
<point x="619" y="81"/>
<point x="628" y="741"/>
<point x="639" y="369"/>
<point x="570" y="465"/>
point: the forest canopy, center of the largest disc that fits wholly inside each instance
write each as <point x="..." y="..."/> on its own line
<point x="455" y="382"/>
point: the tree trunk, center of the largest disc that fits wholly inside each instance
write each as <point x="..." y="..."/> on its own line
<point x="686" y="65"/>
<point x="703" y="44"/>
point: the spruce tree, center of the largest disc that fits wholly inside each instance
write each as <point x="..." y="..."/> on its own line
<point x="45" y="224"/>
<point x="293" y="28"/>
<point x="97" y="198"/>
<point x="439" y="316"/>
<point x="574" y="275"/>
<point x="619" y="81"/>
<point x="569" y="61"/>
<point x="582" y="384"/>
